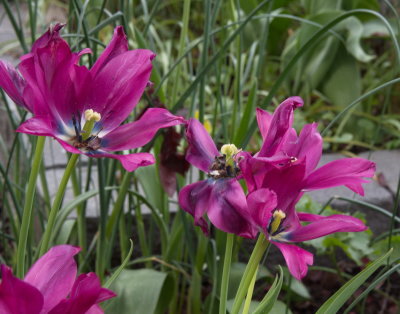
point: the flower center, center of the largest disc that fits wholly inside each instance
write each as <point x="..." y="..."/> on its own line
<point x="84" y="138"/>
<point x="275" y="224"/>
<point x="224" y="166"/>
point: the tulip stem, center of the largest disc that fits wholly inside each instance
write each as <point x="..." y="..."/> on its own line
<point x="48" y="232"/>
<point x="28" y="206"/>
<point x="252" y="266"/>
<point x="225" y="273"/>
<point x="249" y="295"/>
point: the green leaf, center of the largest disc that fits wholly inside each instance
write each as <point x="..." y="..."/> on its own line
<point x="138" y="291"/>
<point x="296" y="286"/>
<point x="381" y="246"/>
<point x="120" y="268"/>
<point x="270" y="298"/>
<point x="335" y="302"/>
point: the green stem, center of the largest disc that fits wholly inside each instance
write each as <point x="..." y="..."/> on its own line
<point x="80" y="217"/>
<point x="225" y="273"/>
<point x="56" y="204"/>
<point x="249" y="295"/>
<point x="255" y="258"/>
<point x="27" y="213"/>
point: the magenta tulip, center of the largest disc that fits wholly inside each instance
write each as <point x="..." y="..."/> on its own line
<point x="83" y="109"/>
<point x="51" y="287"/>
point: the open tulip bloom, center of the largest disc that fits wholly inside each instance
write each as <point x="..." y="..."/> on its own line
<point x="282" y="171"/>
<point x="51" y="287"/>
<point x="83" y="108"/>
<point x="220" y="196"/>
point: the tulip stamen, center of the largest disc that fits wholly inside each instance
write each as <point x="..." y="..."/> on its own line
<point x="84" y="139"/>
<point x="275" y="224"/>
<point x="225" y="166"/>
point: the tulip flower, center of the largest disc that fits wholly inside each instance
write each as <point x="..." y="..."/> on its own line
<point x="83" y="108"/>
<point x="282" y="171"/>
<point x="51" y="286"/>
<point x="220" y="196"/>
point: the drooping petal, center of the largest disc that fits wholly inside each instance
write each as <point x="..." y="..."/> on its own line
<point x="280" y="125"/>
<point x="13" y="84"/>
<point x="117" y="88"/>
<point x="138" y="133"/>
<point x="202" y="150"/>
<point x="321" y="226"/>
<point x="227" y="208"/>
<point x="17" y="296"/>
<point x="54" y="274"/>
<point x="348" y="171"/>
<point x="117" y="45"/>
<point x="38" y="125"/>
<point x="308" y="145"/>
<point x="86" y="293"/>
<point x="130" y="161"/>
<point x="194" y="199"/>
<point x="264" y="119"/>
<point x="296" y="259"/>
<point x="260" y="204"/>
<point x="53" y="33"/>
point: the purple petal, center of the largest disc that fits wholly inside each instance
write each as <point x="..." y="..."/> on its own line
<point x="348" y="171"/>
<point x="264" y="119"/>
<point x="261" y="203"/>
<point x="54" y="274"/>
<point x="17" y="296"/>
<point x="138" y="133"/>
<point x="202" y="150"/>
<point x="117" y="88"/>
<point x="130" y="161"/>
<point x="308" y="145"/>
<point x="52" y="34"/>
<point x="227" y="208"/>
<point x="321" y="226"/>
<point x="38" y="126"/>
<point x="13" y="84"/>
<point x="117" y="45"/>
<point x="86" y="293"/>
<point x="296" y="259"/>
<point x="193" y="199"/>
<point x="280" y="126"/>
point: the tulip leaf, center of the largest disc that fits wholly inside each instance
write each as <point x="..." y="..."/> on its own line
<point x="336" y="301"/>
<point x="382" y="245"/>
<point x="139" y="291"/>
<point x="269" y="299"/>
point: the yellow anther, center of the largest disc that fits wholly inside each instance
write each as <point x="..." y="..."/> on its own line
<point x="276" y="221"/>
<point x="91" y="115"/>
<point x="229" y="150"/>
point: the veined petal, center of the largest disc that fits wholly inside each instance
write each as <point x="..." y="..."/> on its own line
<point x="194" y="199"/>
<point x="117" y="88"/>
<point x="296" y="259"/>
<point x="260" y="204"/>
<point x="348" y="171"/>
<point x="39" y="125"/>
<point x="54" y="274"/>
<point x="86" y="292"/>
<point x="138" y="133"/>
<point x="202" y="150"/>
<point x="264" y="119"/>
<point x="323" y="225"/>
<point x="280" y="125"/>
<point x="228" y="208"/>
<point x="117" y="45"/>
<point x="53" y="33"/>
<point x="17" y="296"/>
<point x="308" y="145"/>
<point x="13" y="84"/>
<point x="130" y="161"/>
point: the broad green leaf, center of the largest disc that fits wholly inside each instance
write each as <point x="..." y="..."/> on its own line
<point x="381" y="246"/>
<point x="270" y="298"/>
<point x="138" y="291"/>
<point x="120" y="268"/>
<point x="296" y="286"/>
<point x="253" y="306"/>
<point x="65" y="231"/>
<point x="336" y="301"/>
<point x="150" y="183"/>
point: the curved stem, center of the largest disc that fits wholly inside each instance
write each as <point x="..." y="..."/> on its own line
<point x="225" y="273"/>
<point x="28" y="206"/>
<point x="255" y="258"/>
<point x="56" y="204"/>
